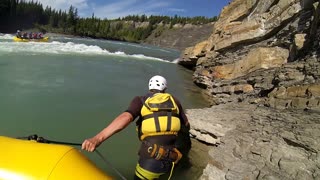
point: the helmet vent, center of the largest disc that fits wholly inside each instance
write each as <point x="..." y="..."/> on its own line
<point x="158" y="83"/>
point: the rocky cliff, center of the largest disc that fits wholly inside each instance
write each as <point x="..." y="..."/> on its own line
<point x="258" y="50"/>
<point x="261" y="68"/>
<point x="180" y="36"/>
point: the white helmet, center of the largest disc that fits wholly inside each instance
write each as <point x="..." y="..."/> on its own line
<point x="158" y="82"/>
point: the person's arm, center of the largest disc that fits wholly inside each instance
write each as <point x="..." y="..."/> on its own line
<point x="119" y="123"/>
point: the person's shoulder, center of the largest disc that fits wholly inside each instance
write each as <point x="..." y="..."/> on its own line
<point x="138" y="97"/>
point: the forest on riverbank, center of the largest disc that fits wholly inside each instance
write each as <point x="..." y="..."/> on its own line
<point x="23" y="15"/>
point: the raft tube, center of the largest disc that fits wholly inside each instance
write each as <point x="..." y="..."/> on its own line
<point x="29" y="160"/>
<point x="44" y="39"/>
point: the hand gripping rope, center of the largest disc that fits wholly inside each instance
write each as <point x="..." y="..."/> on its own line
<point x="36" y="138"/>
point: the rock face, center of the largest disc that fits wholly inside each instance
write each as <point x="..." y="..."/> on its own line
<point x="258" y="47"/>
<point x="258" y="142"/>
<point x="179" y="37"/>
<point x="260" y="70"/>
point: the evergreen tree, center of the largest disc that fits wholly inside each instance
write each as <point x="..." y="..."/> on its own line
<point x="19" y="14"/>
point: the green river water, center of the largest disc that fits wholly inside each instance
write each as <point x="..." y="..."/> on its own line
<point x="70" y="88"/>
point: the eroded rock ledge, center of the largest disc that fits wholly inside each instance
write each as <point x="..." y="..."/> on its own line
<point x="258" y="50"/>
<point x="260" y="69"/>
<point x="254" y="142"/>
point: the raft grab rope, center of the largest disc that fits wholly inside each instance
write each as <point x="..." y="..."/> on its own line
<point x="36" y="138"/>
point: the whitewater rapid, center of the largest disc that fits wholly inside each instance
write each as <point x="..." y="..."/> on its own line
<point x="67" y="47"/>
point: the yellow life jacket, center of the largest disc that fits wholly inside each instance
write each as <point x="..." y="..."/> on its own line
<point x="160" y="116"/>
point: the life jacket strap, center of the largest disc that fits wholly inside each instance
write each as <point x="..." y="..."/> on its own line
<point x="169" y="114"/>
<point x="158" y="134"/>
<point x="156" y="121"/>
<point x="160" y="113"/>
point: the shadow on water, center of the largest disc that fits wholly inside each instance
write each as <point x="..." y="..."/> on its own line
<point x="184" y="145"/>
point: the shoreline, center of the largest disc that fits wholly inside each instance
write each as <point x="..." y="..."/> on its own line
<point x="254" y="142"/>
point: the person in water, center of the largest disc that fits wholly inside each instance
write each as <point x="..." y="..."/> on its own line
<point x="160" y="117"/>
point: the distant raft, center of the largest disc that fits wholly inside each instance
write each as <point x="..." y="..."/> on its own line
<point x="28" y="160"/>
<point x="44" y="39"/>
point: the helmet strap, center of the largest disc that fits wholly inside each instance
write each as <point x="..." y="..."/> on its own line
<point x="156" y="91"/>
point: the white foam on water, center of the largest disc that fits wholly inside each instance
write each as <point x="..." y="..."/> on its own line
<point x="6" y="36"/>
<point x="63" y="48"/>
<point x="176" y="61"/>
<point x="146" y="47"/>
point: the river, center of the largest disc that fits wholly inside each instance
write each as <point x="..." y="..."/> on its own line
<point x="68" y="89"/>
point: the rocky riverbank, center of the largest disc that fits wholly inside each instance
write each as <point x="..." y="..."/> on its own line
<point x="251" y="142"/>
<point x="179" y="37"/>
<point x="260" y="69"/>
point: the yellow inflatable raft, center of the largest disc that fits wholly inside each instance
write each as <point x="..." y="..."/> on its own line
<point x="30" y="160"/>
<point x="16" y="39"/>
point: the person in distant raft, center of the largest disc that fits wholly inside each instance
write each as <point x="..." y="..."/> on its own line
<point x="18" y="34"/>
<point x="160" y="119"/>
